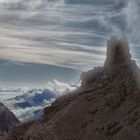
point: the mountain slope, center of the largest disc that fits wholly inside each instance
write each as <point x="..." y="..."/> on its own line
<point x="7" y="119"/>
<point x="105" y="107"/>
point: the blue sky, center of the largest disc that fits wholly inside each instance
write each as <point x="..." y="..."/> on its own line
<point x="41" y="40"/>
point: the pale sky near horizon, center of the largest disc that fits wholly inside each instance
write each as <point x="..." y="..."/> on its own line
<point x="42" y="40"/>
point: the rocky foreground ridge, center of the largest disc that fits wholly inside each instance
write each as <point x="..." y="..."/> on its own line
<point x="105" y="107"/>
<point x="7" y="120"/>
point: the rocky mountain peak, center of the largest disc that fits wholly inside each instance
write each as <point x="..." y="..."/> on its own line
<point x="118" y="65"/>
<point x="117" y="51"/>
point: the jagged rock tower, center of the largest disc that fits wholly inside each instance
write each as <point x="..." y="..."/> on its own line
<point x="105" y="107"/>
<point x="118" y="64"/>
<point x="117" y="51"/>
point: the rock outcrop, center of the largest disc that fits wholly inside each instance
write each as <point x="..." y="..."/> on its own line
<point x="105" y="107"/>
<point x="7" y="119"/>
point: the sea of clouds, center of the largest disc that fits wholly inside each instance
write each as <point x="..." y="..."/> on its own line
<point x="28" y="103"/>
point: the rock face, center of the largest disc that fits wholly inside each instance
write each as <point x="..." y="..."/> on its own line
<point x="7" y="119"/>
<point x="105" y="107"/>
<point x="117" y="52"/>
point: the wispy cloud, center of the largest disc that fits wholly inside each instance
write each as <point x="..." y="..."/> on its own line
<point x="70" y="34"/>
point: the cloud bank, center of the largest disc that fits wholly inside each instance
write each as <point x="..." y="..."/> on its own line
<point x="28" y="104"/>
